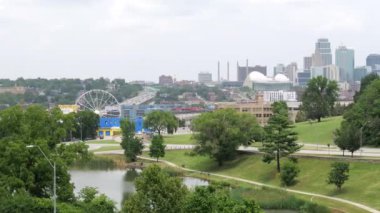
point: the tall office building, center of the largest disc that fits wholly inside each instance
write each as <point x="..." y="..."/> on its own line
<point x="291" y="72"/>
<point x="361" y="72"/>
<point x="345" y="60"/>
<point x="279" y="68"/>
<point x="322" y="55"/>
<point x="307" y="62"/>
<point x="373" y="60"/>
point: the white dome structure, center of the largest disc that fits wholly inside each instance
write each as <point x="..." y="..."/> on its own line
<point x="258" y="77"/>
<point x="281" y="78"/>
<point x="259" y="82"/>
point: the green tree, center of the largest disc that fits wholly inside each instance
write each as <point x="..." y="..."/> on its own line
<point x="347" y="138"/>
<point x="131" y="144"/>
<point x="210" y="199"/>
<point x="156" y="192"/>
<point x="221" y="132"/>
<point x="338" y="174"/>
<point x="289" y="173"/>
<point x="87" y="124"/>
<point x="319" y="98"/>
<point x="157" y="148"/>
<point x="87" y="194"/>
<point x="366" y="81"/>
<point x="363" y="118"/>
<point x="280" y="139"/>
<point x="35" y="126"/>
<point x="159" y="121"/>
<point x="93" y="202"/>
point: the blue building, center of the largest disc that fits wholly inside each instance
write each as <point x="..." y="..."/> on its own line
<point x="132" y="112"/>
<point x="109" y="126"/>
<point x="303" y="78"/>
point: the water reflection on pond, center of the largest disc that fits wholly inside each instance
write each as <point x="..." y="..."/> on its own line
<point x="116" y="184"/>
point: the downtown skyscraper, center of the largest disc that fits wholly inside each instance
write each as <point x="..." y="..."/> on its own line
<point x="322" y="55"/>
<point x="345" y="60"/>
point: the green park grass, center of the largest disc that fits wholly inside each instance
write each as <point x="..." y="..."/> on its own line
<point x="179" y="139"/>
<point x="102" y="142"/>
<point x="363" y="185"/>
<point x="107" y="148"/>
<point x="318" y="133"/>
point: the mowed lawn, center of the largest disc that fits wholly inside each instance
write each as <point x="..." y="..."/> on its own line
<point x="363" y="185"/>
<point x="318" y="133"/>
<point x="179" y="139"/>
<point x="102" y="142"/>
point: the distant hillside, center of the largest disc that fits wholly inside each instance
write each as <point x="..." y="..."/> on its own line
<point x="60" y="91"/>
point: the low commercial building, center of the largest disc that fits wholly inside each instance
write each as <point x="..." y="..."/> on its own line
<point x="66" y="109"/>
<point x="272" y="96"/>
<point x="259" y="108"/>
<point x="165" y="80"/>
<point x="204" y="77"/>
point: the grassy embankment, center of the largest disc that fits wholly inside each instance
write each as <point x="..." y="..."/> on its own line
<point x="178" y="139"/>
<point x="318" y="133"/>
<point x="308" y="132"/>
<point x="363" y="185"/>
<point x="267" y="198"/>
<point x="102" y="142"/>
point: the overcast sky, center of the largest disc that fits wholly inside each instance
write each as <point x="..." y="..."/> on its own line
<point x="142" y="39"/>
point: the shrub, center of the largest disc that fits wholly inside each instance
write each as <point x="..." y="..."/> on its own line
<point x="338" y="174"/>
<point x="289" y="173"/>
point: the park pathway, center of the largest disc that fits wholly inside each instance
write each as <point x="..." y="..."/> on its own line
<point x="361" y="206"/>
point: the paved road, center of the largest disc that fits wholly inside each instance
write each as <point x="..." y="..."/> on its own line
<point x="365" y="152"/>
<point x="364" y="207"/>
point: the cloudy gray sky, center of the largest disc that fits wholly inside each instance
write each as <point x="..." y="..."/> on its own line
<point x="141" y="39"/>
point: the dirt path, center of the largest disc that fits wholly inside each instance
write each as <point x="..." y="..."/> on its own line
<point x="364" y="207"/>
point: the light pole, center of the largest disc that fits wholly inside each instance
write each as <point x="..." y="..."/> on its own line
<point x="361" y="137"/>
<point x="54" y="176"/>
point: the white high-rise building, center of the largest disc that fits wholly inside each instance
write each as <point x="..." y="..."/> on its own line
<point x="291" y="72"/>
<point x="279" y="68"/>
<point x="330" y="72"/>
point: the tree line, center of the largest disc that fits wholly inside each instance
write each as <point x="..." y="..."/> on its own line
<point x="63" y="91"/>
<point x="27" y="137"/>
<point x="361" y="122"/>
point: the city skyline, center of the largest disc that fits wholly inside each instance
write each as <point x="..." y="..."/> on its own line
<point x="141" y="40"/>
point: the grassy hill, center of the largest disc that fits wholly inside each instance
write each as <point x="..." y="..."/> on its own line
<point x="363" y="184"/>
<point x="318" y="133"/>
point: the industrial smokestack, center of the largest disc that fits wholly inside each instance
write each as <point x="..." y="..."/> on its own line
<point x="246" y="70"/>
<point x="228" y="70"/>
<point x="218" y="72"/>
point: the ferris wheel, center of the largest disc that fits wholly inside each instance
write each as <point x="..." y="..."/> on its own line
<point x="99" y="101"/>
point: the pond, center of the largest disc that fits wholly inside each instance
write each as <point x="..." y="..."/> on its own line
<point x="116" y="184"/>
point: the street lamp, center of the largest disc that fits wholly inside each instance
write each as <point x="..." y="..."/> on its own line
<point x="361" y="137"/>
<point x="54" y="175"/>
